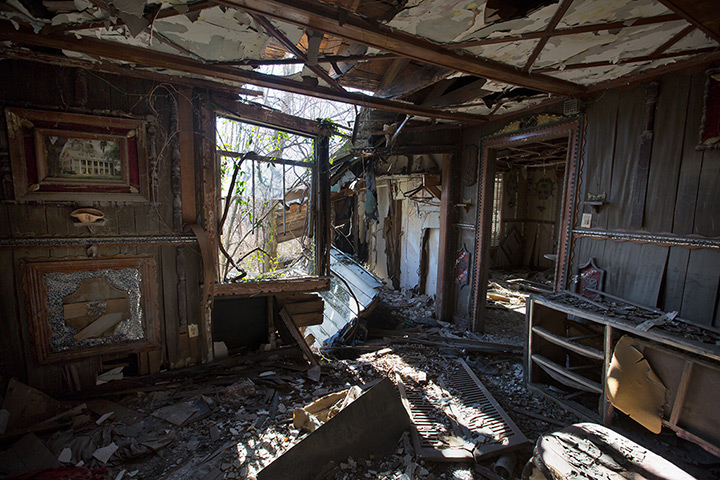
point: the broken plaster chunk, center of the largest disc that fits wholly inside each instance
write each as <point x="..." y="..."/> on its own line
<point x="100" y="420"/>
<point x="65" y="456"/>
<point x="103" y="454"/>
<point x="313" y="373"/>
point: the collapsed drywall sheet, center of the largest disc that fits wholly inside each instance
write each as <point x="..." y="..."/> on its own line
<point x="633" y="387"/>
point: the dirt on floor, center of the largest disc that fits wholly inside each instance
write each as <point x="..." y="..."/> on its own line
<point x="232" y="418"/>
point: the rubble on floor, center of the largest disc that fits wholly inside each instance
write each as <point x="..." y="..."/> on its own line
<point x="233" y="418"/>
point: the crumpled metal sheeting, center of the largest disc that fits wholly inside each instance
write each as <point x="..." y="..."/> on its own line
<point x="59" y="285"/>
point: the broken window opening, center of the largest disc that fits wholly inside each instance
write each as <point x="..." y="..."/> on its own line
<point x="267" y="185"/>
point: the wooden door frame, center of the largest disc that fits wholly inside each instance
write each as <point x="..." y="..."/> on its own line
<point x="490" y="145"/>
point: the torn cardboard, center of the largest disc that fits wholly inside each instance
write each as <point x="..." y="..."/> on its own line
<point x="633" y="387"/>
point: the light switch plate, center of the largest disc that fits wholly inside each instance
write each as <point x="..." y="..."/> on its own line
<point x="586" y="221"/>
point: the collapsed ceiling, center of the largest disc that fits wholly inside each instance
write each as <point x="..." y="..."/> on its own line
<point x="464" y="61"/>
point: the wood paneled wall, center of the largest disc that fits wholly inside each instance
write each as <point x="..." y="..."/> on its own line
<point x="39" y="86"/>
<point x="682" y="198"/>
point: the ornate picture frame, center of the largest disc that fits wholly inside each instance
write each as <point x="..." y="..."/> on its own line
<point x="57" y="156"/>
<point x="710" y="127"/>
<point x="48" y="313"/>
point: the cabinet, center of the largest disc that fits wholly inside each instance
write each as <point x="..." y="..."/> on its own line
<point x="570" y="343"/>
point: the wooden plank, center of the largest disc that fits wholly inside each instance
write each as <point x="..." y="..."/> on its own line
<point x="287" y="320"/>
<point x="170" y="325"/>
<point x="599" y="153"/>
<point x="629" y="127"/>
<point x="450" y="177"/>
<point x="666" y="153"/>
<point x="701" y="13"/>
<point x="569" y="344"/>
<point x="565" y="376"/>
<point x="308" y="319"/>
<point x="99" y="326"/>
<point x="252" y="289"/>
<point x="321" y="18"/>
<point x="692" y="159"/>
<point x="707" y="209"/>
<point x="13" y="360"/>
<point x="701" y="286"/>
<point x="153" y="58"/>
<point x="74" y="310"/>
<point x="674" y="283"/>
<point x="27" y="219"/>
<point x="259" y="115"/>
<point x="305" y="307"/>
<point x="682" y="390"/>
<point x="187" y="154"/>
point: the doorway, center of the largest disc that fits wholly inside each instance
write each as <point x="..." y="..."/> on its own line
<point x="526" y="207"/>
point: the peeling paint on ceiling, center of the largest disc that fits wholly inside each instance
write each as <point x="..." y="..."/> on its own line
<point x="586" y="12"/>
<point x="605" y="46"/>
<point x="514" y="53"/>
<point x="447" y="21"/>
<point x="695" y="39"/>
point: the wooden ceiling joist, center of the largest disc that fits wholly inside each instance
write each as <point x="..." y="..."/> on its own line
<point x="115" y="69"/>
<point x="598" y="27"/>
<point x="294" y="50"/>
<point x="704" y="14"/>
<point x="150" y="58"/>
<point x="265" y="117"/>
<point x="341" y="23"/>
<point x="559" y="14"/>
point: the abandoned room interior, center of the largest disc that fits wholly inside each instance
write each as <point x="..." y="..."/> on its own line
<point x="340" y="239"/>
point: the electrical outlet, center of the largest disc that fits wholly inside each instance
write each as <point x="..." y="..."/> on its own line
<point x="586" y="221"/>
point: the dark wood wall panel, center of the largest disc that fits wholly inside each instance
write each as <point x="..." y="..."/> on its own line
<point x="32" y="85"/>
<point x="596" y="176"/>
<point x="707" y="220"/>
<point x="682" y="198"/>
<point x="667" y="148"/>
<point x="692" y="159"/>
<point x="701" y="286"/>
<point x="675" y="274"/>
<point x="630" y="124"/>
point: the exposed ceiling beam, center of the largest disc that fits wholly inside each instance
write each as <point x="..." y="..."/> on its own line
<point x="676" y="38"/>
<point x="268" y="118"/>
<point x="460" y="95"/>
<point x="294" y="50"/>
<point x="397" y="66"/>
<point x="164" y="13"/>
<point x="559" y="13"/>
<point x="625" y="61"/>
<point x="112" y="68"/>
<point x="323" y="59"/>
<point x="151" y="58"/>
<point x="599" y="27"/>
<point x="343" y="24"/>
<point x="704" y="14"/>
<point x="655" y="72"/>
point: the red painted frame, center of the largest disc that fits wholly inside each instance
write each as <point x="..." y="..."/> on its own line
<point x="25" y="129"/>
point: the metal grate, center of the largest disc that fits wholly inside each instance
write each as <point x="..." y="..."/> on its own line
<point x="477" y="414"/>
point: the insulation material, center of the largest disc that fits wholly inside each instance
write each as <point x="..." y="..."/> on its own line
<point x="585" y="12"/>
<point x="634" y="388"/>
<point x="60" y="285"/>
<point x="456" y="20"/>
<point x="693" y="40"/>
<point x="216" y="35"/>
<point x="591" y="47"/>
<point x="515" y="53"/>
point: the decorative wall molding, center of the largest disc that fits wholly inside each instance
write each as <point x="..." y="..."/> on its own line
<point x="665" y="239"/>
<point x="32" y="242"/>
